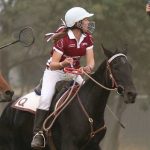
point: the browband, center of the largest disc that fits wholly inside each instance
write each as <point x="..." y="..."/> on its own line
<point x="115" y="56"/>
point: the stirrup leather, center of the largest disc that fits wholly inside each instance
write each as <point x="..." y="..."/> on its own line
<point x="40" y="133"/>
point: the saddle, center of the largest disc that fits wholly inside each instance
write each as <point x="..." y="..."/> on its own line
<point x="30" y="101"/>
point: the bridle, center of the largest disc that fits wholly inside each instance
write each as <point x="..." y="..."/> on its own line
<point x="114" y="83"/>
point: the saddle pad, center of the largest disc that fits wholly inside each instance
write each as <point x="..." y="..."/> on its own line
<point x="27" y="102"/>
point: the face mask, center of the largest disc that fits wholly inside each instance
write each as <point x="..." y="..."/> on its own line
<point x="91" y="26"/>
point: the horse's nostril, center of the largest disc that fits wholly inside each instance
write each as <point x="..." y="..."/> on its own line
<point x="131" y="95"/>
<point x="9" y="93"/>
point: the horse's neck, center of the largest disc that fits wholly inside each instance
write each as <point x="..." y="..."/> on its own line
<point x="94" y="97"/>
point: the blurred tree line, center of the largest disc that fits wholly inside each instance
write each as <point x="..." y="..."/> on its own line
<point x="119" y="24"/>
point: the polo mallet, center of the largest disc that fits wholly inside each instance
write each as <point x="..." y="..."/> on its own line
<point x="26" y="38"/>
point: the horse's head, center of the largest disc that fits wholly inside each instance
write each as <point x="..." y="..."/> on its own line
<point x="5" y="91"/>
<point x="120" y="73"/>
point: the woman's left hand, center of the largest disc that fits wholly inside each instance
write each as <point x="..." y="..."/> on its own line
<point x="87" y="69"/>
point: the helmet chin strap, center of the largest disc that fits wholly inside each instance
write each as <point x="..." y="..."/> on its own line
<point x="79" y="26"/>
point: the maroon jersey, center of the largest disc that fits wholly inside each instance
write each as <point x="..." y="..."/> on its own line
<point x="68" y="46"/>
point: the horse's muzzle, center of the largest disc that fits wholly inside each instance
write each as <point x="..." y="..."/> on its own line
<point x="9" y="93"/>
<point x="6" y="96"/>
<point x="130" y="96"/>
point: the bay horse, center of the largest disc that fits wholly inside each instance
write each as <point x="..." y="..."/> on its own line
<point x="6" y="92"/>
<point x="81" y="125"/>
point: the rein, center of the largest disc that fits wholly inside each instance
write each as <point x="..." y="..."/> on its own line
<point x="57" y="112"/>
<point x="92" y="134"/>
<point x="104" y="87"/>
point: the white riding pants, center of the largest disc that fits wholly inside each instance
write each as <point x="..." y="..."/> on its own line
<point x="50" y="78"/>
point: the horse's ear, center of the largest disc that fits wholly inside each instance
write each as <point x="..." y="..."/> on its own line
<point x="107" y="52"/>
<point x="125" y="49"/>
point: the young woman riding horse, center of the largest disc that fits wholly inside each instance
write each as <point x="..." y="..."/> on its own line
<point x="72" y="41"/>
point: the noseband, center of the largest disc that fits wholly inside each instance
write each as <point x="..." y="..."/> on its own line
<point x="114" y="83"/>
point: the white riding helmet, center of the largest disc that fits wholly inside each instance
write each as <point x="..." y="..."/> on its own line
<point x="75" y="14"/>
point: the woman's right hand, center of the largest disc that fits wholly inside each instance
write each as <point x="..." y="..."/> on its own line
<point x="68" y="62"/>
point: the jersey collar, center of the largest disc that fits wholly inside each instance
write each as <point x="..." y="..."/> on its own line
<point x="71" y="36"/>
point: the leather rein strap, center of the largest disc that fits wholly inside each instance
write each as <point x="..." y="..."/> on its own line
<point x="92" y="134"/>
<point x="53" y="116"/>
